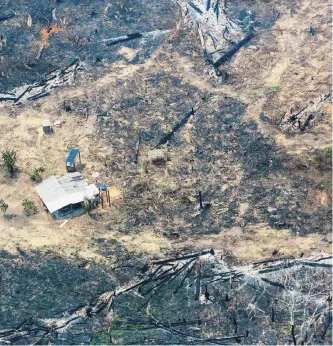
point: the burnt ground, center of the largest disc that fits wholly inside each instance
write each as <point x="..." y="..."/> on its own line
<point x="47" y="284"/>
<point x="83" y="23"/>
<point x="265" y="192"/>
<point x="227" y="159"/>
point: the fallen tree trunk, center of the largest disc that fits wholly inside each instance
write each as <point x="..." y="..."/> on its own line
<point x="37" y="96"/>
<point x="250" y="275"/>
<point x="126" y="38"/>
<point x="4" y="17"/>
<point x="115" y="40"/>
<point x="8" y="98"/>
<point x="230" y="53"/>
<point x="179" y="125"/>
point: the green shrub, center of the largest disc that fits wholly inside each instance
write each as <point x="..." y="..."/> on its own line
<point x="9" y="159"/>
<point x="29" y="206"/>
<point x="36" y="174"/>
<point x="276" y="88"/>
<point x="3" y="206"/>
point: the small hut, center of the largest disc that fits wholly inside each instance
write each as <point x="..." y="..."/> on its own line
<point x="47" y="127"/>
<point x="71" y="160"/>
<point x="157" y="156"/>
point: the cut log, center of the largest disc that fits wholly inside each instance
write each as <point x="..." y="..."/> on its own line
<point x="184" y="257"/>
<point x="178" y="126"/>
<point x="4" y="17"/>
<point x="230" y="53"/>
<point x="38" y="96"/>
<point x="126" y="38"/>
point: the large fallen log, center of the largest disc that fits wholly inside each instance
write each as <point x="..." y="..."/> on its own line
<point x="7" y="98"/>
<point x="122" y="39"/>
<point x="37" y="96"/>
<point x="137" y="35"/>
<point x="4" y="17"/>
<point x="230" y="53"/>
<point x="178" y="126"/>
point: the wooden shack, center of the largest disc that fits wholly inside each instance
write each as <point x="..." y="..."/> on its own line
<point x="71" y="160"/>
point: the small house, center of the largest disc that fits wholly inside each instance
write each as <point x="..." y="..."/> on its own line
<point x="47" y="127"/>
<point x="64" y="195"/>
<point x="71" y="160"/>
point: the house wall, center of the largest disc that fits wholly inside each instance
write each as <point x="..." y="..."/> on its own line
<point x="72" y="212"/>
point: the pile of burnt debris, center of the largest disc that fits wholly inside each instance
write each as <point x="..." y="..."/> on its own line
<point x="198" y="299"/>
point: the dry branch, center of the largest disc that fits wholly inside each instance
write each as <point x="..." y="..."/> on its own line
<point x="301" y="120"/>
<point x="184" y="257"/>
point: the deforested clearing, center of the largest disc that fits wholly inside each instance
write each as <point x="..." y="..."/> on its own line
<point x="197" y="208"/>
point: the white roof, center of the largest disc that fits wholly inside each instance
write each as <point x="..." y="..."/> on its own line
<point x="62" y="190"/>
<point x="91" y="191"/>
<point x="46" y="122"/>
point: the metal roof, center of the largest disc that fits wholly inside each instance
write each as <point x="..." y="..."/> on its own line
<point x="72" y="155"/>
<point x="46" y="123"/>
<point x="59" y="191"/>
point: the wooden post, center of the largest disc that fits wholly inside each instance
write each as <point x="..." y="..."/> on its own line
<point x="108" y="197"/>
<point x="80" y="157"/>
<point x="102" y="198"/>
<point x="200" y="200"/>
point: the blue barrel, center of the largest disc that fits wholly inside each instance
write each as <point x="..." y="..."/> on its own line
<point x="103" y="187"/>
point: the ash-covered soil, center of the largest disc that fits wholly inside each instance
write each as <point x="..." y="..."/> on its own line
<point x="265" y="189"/>
<point x="83" y="25"/>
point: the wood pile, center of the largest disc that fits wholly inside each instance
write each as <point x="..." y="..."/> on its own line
<point x="52" y="80"/>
